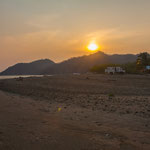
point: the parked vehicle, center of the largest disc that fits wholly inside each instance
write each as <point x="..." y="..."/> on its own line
<point x="113" y="70"/>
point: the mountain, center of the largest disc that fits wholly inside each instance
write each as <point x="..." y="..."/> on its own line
<point x="74" y="65"/>
<point x="84" y="63"/>
<point x="33" y="68"/>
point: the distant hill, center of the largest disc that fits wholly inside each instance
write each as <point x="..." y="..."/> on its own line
<point x="74" y="65"/>
<point x="84" y="63"/>
<point x="33" y="68"/>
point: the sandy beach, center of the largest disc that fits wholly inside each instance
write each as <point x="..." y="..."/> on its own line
<point x="75" y="112"/>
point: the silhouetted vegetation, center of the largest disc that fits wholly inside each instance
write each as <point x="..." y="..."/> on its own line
<point x="143" y="60"/>
<point x="130" y="68"/>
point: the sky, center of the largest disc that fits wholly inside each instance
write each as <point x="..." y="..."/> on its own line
<point x="60" y="29"/>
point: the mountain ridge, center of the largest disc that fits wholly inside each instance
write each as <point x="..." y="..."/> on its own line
<point x="31" y="68"/>
<point x="80" y="64"/>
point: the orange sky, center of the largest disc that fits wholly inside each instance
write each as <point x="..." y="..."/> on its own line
<point x="35" y="29"/>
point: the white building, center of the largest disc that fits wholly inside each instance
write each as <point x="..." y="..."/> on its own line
<point x="113" y="70"/>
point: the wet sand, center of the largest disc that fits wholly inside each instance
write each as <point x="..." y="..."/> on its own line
<point x="86" y="112"/>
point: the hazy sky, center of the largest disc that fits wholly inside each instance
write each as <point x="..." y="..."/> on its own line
<point x="59" y="29"/>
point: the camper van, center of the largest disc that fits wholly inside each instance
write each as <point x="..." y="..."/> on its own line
<point x="113" y="70"/>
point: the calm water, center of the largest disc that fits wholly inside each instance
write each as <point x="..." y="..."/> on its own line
<point x="24" y="76"/>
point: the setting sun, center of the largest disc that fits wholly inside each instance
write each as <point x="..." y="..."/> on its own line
<point x="93" y="47"/>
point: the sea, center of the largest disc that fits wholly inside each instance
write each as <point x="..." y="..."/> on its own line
<point x="23" y="76"/>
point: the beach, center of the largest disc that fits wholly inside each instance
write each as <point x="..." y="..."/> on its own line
<point x="75" y="112"/>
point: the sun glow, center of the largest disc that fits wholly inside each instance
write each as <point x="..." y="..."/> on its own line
<point x="92" y="46"/>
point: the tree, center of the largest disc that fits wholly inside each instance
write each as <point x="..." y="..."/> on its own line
<point x="130" y="68"/>
<point x="142" y="61"/>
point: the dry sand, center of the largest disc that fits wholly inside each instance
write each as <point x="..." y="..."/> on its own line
<point x="97" y="112"/>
